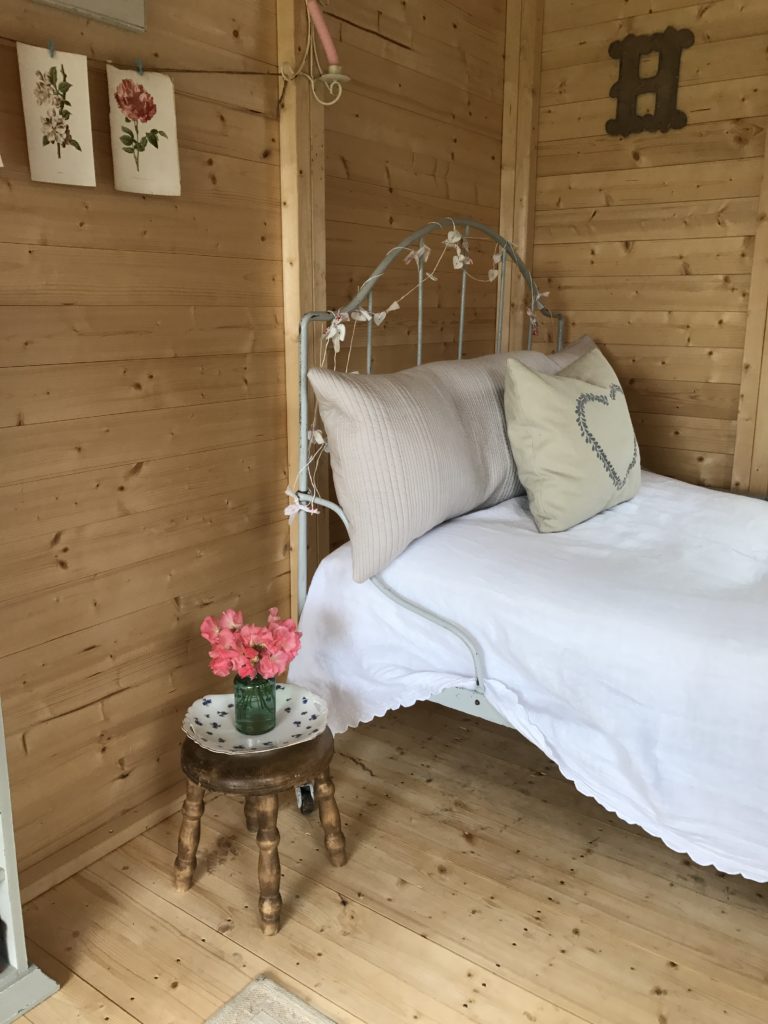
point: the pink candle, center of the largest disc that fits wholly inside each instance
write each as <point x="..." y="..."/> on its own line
<point x="322" y="31"/>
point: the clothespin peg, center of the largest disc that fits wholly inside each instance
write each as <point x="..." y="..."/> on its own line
<point x="51" y="49"/>
<point x="140" y="66"/>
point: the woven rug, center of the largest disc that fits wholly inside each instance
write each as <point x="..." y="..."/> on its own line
<point x="265" y="1002"/>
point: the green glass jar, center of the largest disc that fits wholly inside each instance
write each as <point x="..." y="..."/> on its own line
<point x="255" y="701"/>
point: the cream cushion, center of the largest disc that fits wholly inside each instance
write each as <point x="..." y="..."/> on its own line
<point x="414" y="448"/>
<point x="572" y="440"/>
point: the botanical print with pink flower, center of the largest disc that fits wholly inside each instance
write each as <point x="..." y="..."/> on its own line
<point x="142" y="121"/>
<point x="139" y="107"/>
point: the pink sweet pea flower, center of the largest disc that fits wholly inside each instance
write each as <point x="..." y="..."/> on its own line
<point x="268" y="668"/>
<point x="243" y="667"/>
<point x="286" y="637"/>
<point x="209" y="628"/>
<point x="255" y="635"/>
<point x="221" y="663"/>
<point x="228" y="641"/>
<point x="280" y="661"/>
<point x="231" y="619"/>
<point x="273" y="616"/>
<point x="292" y="642"/>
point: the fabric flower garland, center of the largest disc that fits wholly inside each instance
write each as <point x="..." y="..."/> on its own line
<point x="335" y="333"/>
<point x="457" y="242"/>
<point x="536" y="304"/>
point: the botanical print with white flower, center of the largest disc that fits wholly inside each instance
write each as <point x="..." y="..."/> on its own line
<point x="51" y="90"/>
<point x="57" y="115"/>
<point x="142" y="123"/>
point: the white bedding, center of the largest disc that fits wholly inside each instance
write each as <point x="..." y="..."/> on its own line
<point x="632" y="649"/>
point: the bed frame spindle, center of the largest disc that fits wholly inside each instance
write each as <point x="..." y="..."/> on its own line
<point x="500" y="301"/>
<point x="462" y="306"/>
<point x="420" y="328"/>
<point x="369" y="338"/>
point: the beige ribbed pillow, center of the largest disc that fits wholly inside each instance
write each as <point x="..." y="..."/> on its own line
<point x="412" y="449"/>
<point x="572" y="440"/>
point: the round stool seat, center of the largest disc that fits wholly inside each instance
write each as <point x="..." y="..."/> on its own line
<point x="251" y="774"/>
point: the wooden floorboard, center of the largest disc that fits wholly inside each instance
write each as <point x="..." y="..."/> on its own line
<point x="481" y="887"/>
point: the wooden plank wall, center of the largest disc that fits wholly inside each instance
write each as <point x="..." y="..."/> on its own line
<point x="417" y="136"/>
<point x="647" y="242"/>
<point x="143" y="453"/>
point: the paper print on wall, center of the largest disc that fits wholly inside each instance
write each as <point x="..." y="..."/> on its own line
<point x="142" y="121"/>
<point x="57" y="115"/>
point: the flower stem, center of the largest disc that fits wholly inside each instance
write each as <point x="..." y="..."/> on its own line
<point x="136" y="145"/>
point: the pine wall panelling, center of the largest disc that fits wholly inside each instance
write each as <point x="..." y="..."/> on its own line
<point x="416" y="136"/>
<point x="143" y="449"/>
<point x="647" y="242"/>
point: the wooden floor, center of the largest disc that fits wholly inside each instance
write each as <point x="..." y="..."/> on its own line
<point x="481" y="887"/>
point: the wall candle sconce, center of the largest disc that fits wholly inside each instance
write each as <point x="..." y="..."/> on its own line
<point x="334" y="78"/>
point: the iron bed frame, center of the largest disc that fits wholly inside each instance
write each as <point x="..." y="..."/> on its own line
<point x="468" y="700"/>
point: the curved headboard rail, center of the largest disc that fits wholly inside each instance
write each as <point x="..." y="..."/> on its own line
<point x="445" y="224"/>
<point x="364" y="299"/>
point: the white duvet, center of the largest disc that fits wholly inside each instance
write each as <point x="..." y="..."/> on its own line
<point x="632" y="649"/>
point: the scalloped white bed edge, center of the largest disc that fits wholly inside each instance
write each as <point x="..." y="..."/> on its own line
<point x="632" y="650"/>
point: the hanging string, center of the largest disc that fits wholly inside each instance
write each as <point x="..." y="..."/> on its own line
<point x="168" y="71"/>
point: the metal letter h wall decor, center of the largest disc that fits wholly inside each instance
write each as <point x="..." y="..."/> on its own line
<point x="630" y="85"/>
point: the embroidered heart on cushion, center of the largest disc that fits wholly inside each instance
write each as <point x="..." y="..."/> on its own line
<point x="590" y="401"/>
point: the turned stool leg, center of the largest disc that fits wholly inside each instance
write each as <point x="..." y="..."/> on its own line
<point x="251" y="814"/>
<point x="264" y="810"/>
<point x="330" y="819"/>
<point x="189" y="836"/>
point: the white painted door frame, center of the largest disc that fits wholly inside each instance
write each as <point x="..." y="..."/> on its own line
<point x="22" y="985"/>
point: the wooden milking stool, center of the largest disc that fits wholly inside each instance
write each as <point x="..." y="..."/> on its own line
<point x="259" y="778"/>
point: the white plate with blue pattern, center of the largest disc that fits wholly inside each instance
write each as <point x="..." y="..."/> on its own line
<point x="301" y="716"/>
